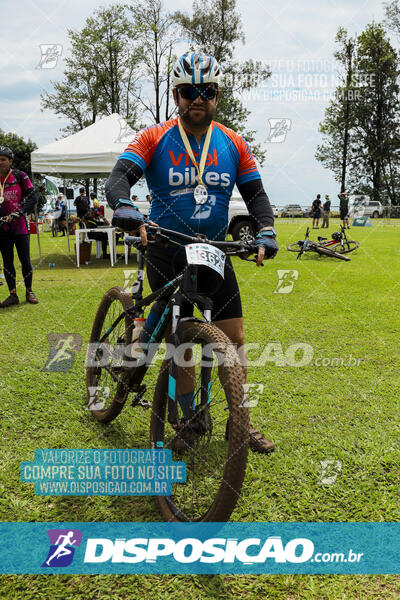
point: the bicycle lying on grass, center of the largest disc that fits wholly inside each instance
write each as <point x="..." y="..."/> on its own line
<point x="198" y="352"/>
<point x="336" y="247"/>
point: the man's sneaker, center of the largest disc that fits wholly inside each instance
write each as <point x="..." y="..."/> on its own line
<point x="257" y="441"/>
<point x="31" y="298"/>
<point x="190" y="430"/>
<point x="12" y="299"/>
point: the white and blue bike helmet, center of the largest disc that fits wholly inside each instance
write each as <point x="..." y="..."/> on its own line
<point x="196" y="67"/>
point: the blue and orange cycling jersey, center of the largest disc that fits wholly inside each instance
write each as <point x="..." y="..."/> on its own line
<point x="171" y="177"/>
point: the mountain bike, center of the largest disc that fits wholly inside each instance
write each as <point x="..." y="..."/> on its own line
<point x="335" y="248"/>
<point x="198" y="355"/>
<point x="338" y="243"/>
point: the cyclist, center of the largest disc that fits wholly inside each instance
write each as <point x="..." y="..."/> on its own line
<point x="191" y="164"/>
<point x="17" y="199"/>
<point x="316" y="211"/>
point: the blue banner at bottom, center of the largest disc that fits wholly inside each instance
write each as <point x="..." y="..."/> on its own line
<point x="207" y="548"/>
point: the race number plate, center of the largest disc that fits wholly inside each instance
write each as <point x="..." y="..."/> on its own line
<point x="207" y="255"/>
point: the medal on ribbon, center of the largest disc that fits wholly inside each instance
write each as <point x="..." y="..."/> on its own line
<point x="2" y="186"/>
<point x="200" y="192"/>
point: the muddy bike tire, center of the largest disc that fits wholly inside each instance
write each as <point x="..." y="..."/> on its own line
<point x="216" y="464"/>
<point x="326" y="252"/>
<point x="105" y="374"/>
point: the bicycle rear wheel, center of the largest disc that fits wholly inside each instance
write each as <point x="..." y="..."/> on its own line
<point x="327" y="252"/>
<point x="105" y="371"/>
<point x="215" y="465"/>
<point x="347" y="247"/>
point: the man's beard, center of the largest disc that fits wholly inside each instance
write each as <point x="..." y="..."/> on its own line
<point x="199" y="122"/>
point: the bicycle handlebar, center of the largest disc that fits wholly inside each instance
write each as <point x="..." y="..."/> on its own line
<point x="4" y="219"/>
<point x="164" y="235"/>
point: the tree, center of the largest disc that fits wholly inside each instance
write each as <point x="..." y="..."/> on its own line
<point x="361" y="123"/>
<point x="376" y="113"/>
<point x="100" y="74"/>
<point x="215" y="28"/>
<point x="392" y="12"/>
<point x="21" y="149"/>
<point x="335" y="150"/>
<point x="156" y="33"/>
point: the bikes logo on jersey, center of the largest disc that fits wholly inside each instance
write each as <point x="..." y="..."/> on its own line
<point x="63" y="348"/>
<point x="63" y="543"/>
<point x="203" y="211"/>
<point x="189" y="177"/>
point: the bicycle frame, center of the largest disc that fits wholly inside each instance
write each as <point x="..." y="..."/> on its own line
<point x="333" y="242"/>
<point x="185" y="286"/>
<point x="181" y="289"/>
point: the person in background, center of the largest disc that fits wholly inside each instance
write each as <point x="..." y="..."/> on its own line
<point x="316" y="211"/>
<point x="134" y="198"/>
<point x="82" y="204"/>
<point x="148" y="198"/>
<point x="95" y="202"/>
<point x="17" y="199"/>
<point x="344" y="209"/>
<point x="326" y="211"/>
<point x="62" y="219"/>
<point x="93" y="220"/>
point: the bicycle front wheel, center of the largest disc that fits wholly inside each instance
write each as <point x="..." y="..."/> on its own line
<point x="105" y="370"/>
<point x="215" y="454"/>
<point x="326" y="252"/>
<point x="295" y="247"/>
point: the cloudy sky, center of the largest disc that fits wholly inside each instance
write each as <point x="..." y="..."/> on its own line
<point x="295" y="38"/>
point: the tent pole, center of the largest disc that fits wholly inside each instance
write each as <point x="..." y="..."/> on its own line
<point x="66" y="212"/>
<point x="37" y="224"/>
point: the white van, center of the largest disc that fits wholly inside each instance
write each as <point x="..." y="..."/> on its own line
<point x="363" y="206"/>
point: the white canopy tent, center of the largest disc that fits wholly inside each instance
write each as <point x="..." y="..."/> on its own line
<point x="92" y="152"/>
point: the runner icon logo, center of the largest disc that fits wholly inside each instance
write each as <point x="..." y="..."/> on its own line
<point x="61" y="551"/>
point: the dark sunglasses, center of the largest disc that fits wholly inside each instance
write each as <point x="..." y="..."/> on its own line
<point x="191" y="92"/>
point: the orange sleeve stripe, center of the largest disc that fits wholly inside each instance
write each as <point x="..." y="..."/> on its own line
<point x="146" y="141"/>
<point x="246" y="161"/>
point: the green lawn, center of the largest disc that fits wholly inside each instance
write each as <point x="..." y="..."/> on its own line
<point x="346" y="313"/>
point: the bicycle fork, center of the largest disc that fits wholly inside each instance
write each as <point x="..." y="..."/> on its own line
<point x="190" y="294"/>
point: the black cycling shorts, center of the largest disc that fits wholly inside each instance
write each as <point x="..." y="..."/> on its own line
<point x="164" y="265"/>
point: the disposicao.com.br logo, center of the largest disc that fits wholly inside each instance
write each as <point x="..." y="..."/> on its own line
<point x="213" y="550"/>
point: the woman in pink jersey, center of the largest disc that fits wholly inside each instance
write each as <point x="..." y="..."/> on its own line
<point x="17" y="199"/>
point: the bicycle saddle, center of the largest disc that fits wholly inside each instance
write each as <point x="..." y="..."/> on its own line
<point x="321" y="239"/>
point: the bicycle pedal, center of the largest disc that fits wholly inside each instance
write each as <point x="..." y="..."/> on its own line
<point x="137" y="400"/>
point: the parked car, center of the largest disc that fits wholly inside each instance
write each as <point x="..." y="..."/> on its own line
<point x="362" y="206"/>
<point x="307" y="212"/>
<point x="240" y="225"/>
<point x="292" y="210"/>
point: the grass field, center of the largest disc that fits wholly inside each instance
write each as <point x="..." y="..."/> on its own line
<point x="342" y="406"/>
